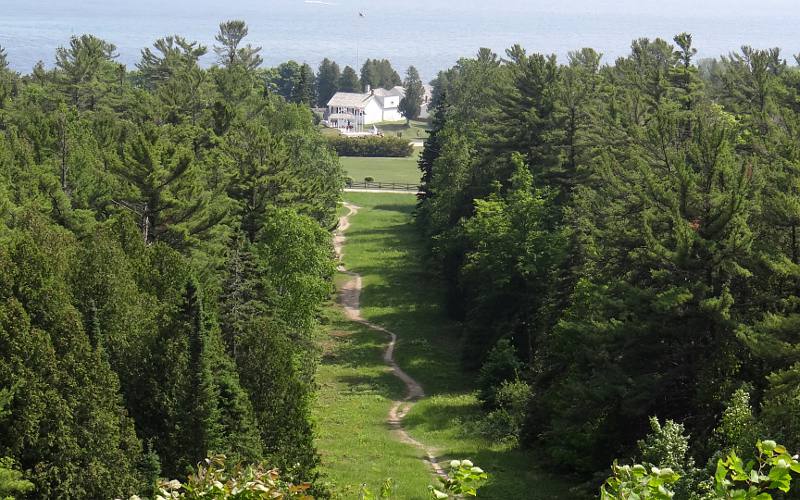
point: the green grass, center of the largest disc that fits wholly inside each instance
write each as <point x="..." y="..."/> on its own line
<point x="383" y="169"/>
<point x="416" y="129"/>
<point x="400" y="293"/>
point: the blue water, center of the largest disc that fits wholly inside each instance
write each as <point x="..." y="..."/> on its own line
<point x="430" y="34"/>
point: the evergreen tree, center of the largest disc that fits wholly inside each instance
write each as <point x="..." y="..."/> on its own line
<point x="166" y="192"/>
<point x="306" y="90"/>
<point x="411" y="104"/>
<point x="172" y="55"/>
<point x="86" y="70"/>
<point x="349" y="81"/>
<point x="328" y="81"/>
<point x="230" y="53"/>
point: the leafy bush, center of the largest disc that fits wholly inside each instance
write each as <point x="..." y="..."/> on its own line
<point x="11" y="481"/>
<point x="737" y="428"/>
<point x="213" y="481"/>
<point x="372" y="146"/>
<point x="501" y="365"/>
<point x="637" y="481"/>
<point x="505" y="423"/>
<point x="769" y="473"/>
<point x="464" y="479"/>
<point x="667" y="446"/>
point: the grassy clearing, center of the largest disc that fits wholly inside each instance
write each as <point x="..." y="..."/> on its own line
<point x="355" y="393"/>
<point x="416" y="129"/>
<point x="400" y="294"/>
<point x="383" y="169"/>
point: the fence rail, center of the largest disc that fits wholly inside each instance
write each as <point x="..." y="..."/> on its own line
<point x="384" y="186"/>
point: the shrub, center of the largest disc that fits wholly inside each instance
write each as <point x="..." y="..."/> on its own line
<point x="213" y="481"/>
<point x="501" y="365"/>
<point x="463" y="479"/>
<point x="372" y="146"/>
<point x="668" y="446"/>
<point x="11" y="480"/>
<point x="505" y="423"/>
<point x="770" y="473"/>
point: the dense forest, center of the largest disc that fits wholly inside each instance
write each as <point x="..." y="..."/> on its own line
<point x="620" y="241"/>
<point x="164" y="250"/>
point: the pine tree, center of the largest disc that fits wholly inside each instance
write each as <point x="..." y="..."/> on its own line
<point x="230" y="53"/>
<point x="166" y="191"/>
<point x="349" y="81"/>
<point x="306" y="90"/>
<point x="328" y="81"/>
<point x="87" y="70"/>
<point x="411" y="104"/>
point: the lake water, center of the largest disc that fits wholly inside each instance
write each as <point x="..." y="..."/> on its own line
<point x="431" y="35"/>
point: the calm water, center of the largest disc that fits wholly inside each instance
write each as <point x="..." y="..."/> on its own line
<point x="430" y="34"/>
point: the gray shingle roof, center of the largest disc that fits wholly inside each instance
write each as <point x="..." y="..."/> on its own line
<point x="349" y="100"/>
<point x="394" y="91"/>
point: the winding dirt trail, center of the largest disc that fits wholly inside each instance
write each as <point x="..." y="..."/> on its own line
<point x="350" y="298"/>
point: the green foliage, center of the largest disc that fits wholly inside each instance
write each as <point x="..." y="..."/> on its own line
<point x="501" y="365"/>
<point x="410" y="104"/>
<point x="214" y="480"/>
<point x="370" y="146"/>
<point x="632" y="229"/>
<point x="349" y="81"/>
<point x="378" y="73"/>
<point x="464" y="479"/>
<point x="328" y="81"/>
<point x="163" y="255"/>
<point x="505" y="422"/>
<point x="737" y="428"/>
<point x="11" y="481"/>
<point x="629" y="482"/>
<point x="770" y="472"/>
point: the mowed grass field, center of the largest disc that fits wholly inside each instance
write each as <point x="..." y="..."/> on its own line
<point x="416" y="129"/>
<point x="404" y="170"/>
<point x="356" y="389"/>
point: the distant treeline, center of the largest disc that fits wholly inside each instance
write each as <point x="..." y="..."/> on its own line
<point x="164" y="251"/>
<point x="621" y="240"/>
<point x="298" y="82"/>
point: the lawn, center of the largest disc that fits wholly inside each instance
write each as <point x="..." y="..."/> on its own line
<point x="416" y="129"/>
<point x="383" y="169"/>
<point x="400" y="293"/>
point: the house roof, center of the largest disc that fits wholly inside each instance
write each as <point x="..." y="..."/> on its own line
<point x="349" y="100"/>
<point x="394" y="91"/>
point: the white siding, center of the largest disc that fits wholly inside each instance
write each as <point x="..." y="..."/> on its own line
<point x="392" y="115"/>
<point x="373" y="112"/>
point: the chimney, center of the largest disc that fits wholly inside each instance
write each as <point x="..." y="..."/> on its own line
<point x="369" y="89"/>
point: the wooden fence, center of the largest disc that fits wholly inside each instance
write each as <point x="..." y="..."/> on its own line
<point x="383" y="186"/>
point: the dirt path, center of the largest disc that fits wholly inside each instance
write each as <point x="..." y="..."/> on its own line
<point x="350" y="298"/>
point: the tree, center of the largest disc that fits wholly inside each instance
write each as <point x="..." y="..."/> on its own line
<point x="328" y="81"/>
<point x="7" y="79"/>
<point x="65" y="420"/>
<point x="86" y="70"/>
<point x="411" y="104"/>
<point x="287" y="80"/>
<point x="306" y="90"/>
<point x="349" y="81"/>
<point x="173" y="55"/>
<point x="229" y="53"/>
<point x="379" y="74"/>
<point x="166" y="191"/>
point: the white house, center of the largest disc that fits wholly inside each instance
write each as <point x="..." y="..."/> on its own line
<point x="351" y="112"/>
